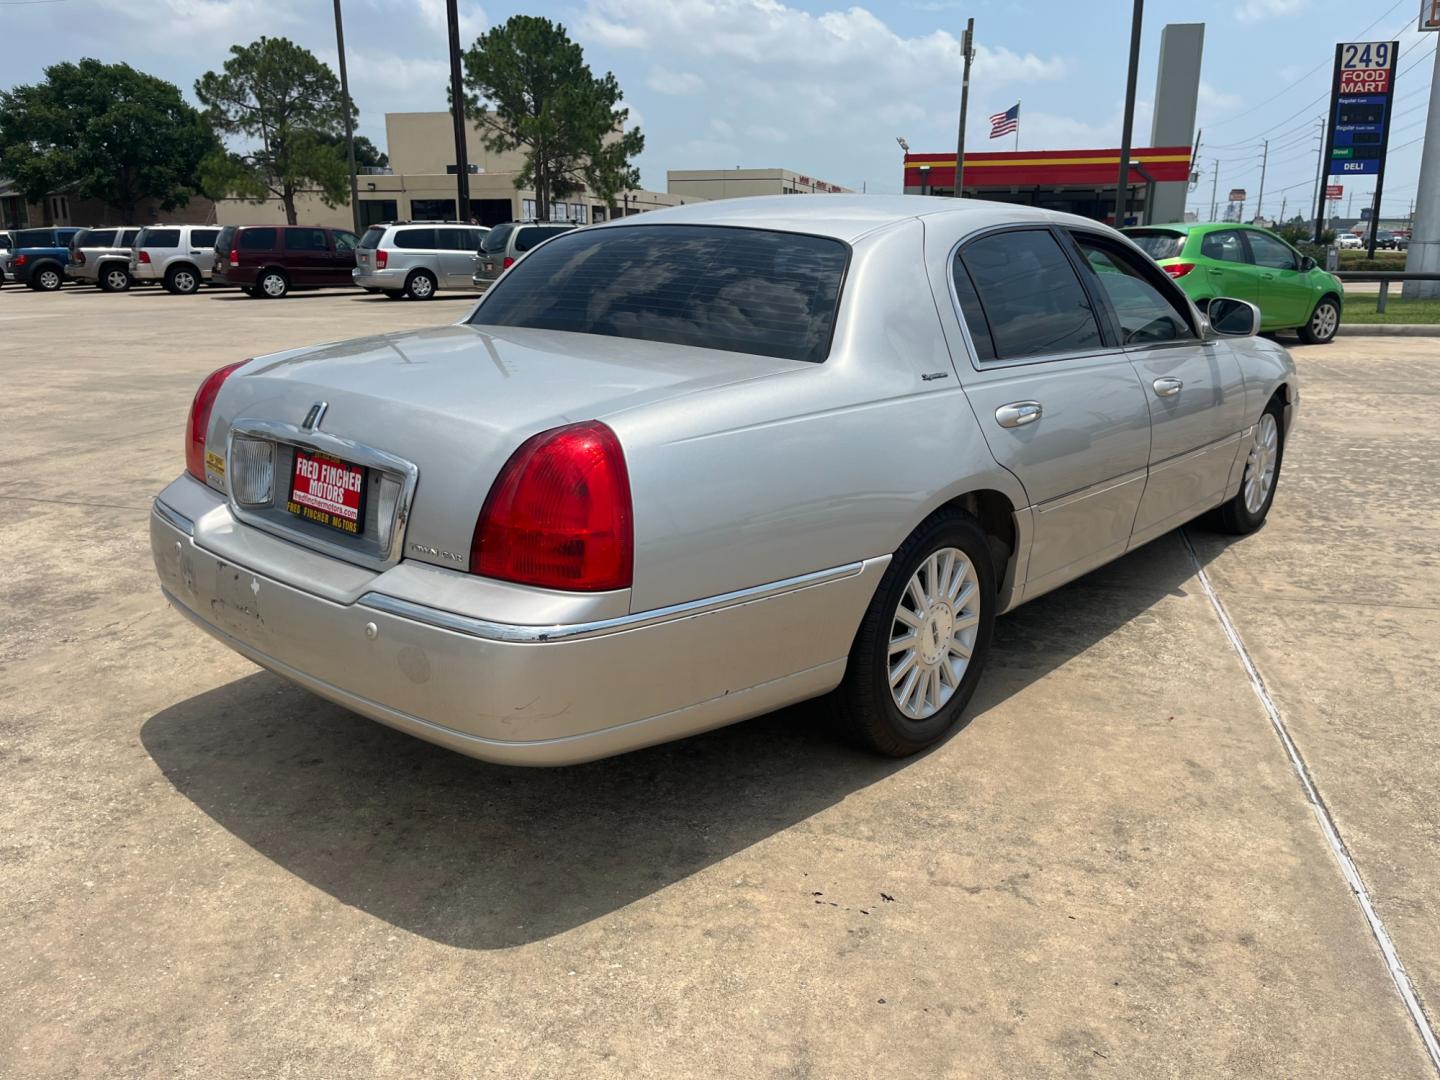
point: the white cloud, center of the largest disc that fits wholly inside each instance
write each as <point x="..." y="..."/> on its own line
<point x="1211" y="98"/>
<point x="230" y="20"/>
<point x="1256" y="10"/>
<point x="664" y="81"/>
<point x="473" y="20"/>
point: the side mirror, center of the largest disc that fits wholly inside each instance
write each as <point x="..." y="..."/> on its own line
<point x="1233" y="318"/>
<point x="1307" y="264"/>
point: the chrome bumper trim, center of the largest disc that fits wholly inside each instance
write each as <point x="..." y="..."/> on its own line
<point x="511" y="632"/>
<point x="174" y="518"/>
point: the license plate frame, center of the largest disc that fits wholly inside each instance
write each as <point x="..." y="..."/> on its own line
<point x="333" y="492"/>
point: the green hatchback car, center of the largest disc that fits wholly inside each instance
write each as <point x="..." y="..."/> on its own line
<point x="1248" y="263"/>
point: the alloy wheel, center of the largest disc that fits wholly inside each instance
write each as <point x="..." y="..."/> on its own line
<point x="184" y="281"/>
<point x="1325" y="321"/>
<point x="933" y="633"/>
<point x="1260" y="465"/>
<point x="49" y="279"/>
<point x="274" y="285"/>
<point x="117" y="280"/>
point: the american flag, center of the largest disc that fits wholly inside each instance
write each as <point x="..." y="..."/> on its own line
<point x="1005" y="123"/>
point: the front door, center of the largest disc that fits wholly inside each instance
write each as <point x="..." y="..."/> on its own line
<point x="1284" y="293"/>
<point x="342" y="257"/>
<point x="1193" y="386"/>
<point x="1058" y="401"/>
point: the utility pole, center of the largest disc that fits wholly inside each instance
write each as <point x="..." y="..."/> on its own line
<point x="1283" y="203"/>
<point x="457" y="113"/>
<point x="1264" y="161"/>
<point x="1424" y="252"/>
<point x="967" y="44"/>
<point x="349" y="120"/>
<point x="1122" y="184"/>
<point x="1214" y="189"/>
<point x="1319" y="167"/>
<point x="1350" y="204"/>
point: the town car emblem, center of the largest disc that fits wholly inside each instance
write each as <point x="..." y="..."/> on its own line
<point x="314" y="416"/>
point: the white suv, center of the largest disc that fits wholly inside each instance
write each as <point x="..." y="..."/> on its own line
<point x="179" y="256"/>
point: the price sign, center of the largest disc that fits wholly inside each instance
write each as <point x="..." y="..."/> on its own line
<point x="1334" y="191"/>
<point x="1360" y="100"/>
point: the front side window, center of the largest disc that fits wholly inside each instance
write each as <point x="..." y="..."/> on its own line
<point x="257" y="240"/>
<point x="158" y="238"/>
<point x="344" y="241"/>
<point x="741" y="290"/>
<point x="1265" y="250"/>
<point x="1223" y="246"/>
<point x="305" y="240"/>
<point x="1031" y="298"/>
<point x="1145" y="314"/>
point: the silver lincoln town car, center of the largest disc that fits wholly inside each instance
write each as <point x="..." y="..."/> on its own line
<point x="679" y="470"/>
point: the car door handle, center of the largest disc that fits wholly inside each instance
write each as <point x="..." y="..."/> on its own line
<point x="1167" y="387"/>
<point x="1018" y="413"/>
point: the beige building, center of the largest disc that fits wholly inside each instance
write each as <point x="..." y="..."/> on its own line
<point x="421" y="186"/>
<point x="737" y="183"/>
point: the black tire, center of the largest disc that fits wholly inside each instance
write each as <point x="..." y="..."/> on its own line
<point x="114" y="278"/>
<point x="421" y="285"/>
<point x="182" y="280"/>
<point x="1324" y="322"/>
<point x="249" y="291"/>
<point x="864" y="703"/>
<point x="1236" y="516"/>
<point x="394" y="294"/>
<point x="46" y="278"/>
<point x="272" y="284"/>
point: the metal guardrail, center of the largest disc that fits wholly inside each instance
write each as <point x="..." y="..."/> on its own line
<point x="1385" y="277"/>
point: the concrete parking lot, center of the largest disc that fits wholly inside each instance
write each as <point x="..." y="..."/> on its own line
<point x="1113" y="869"/>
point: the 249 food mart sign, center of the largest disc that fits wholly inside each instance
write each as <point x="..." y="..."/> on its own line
<point x="1360" y="100"/>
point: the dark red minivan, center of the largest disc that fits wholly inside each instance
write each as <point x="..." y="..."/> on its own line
<point x="267" y="261"/>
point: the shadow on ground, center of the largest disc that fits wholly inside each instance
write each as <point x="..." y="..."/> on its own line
<point x="482" y="856"/>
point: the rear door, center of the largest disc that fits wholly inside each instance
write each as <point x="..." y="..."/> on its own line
<point x="1193" y="387"/>
<point x="456" y="256"/>
<point x="1284" y="293"/>
<point x="1058" y="401"/>
<point x="1227" y="269"/>
<point x="305" y="254"/>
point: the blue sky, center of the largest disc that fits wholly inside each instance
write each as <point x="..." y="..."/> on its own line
<point x="818" y="86"/>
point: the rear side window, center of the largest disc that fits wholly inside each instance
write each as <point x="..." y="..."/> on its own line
<point x="372" y="236"/>
<point x="496" y="239"/>
<point x="415" y="238"/>
<point x="257" y="240"/>
<point x="1032" y="300"/>
<point x="158" y="238"/>
<point x="297" y="239"/>
<point x="1157" y="243"/>
<point x="1223" y="246"/>
<point x="741" y="290"/>
<point x="95" y="238"/>
<point x="203" y="238"/>
<point x="454" y="239"/>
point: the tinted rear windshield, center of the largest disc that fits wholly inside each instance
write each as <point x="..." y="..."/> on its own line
<point x="495" y="240"/>
<point x="1157" y="243"/>
<point x="372" y="236"/>
<point x="741" y="290"/>
<point x="28" y="238"/>
<point x="158" y="238"/>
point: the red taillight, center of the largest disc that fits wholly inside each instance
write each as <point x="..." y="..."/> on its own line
<point x="509" y="262"/>
<point x="381" y="258"/>
<point x="20" y="260"/>
<point x="558" y="515"/>
<point x="143" y="257"/>
<point x="1178" y="270"/>
<point x="234" y="256"/>
<point x="200" y="419"/>
<point x="79" y="257"/>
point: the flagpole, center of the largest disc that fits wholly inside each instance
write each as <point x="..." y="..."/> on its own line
<point x="1017" y="126"/>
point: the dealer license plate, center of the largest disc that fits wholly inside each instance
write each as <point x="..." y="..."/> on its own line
<point x="328" y="491"/>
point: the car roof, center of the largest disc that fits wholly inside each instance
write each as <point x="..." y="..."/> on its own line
<point x="843" y="217"/>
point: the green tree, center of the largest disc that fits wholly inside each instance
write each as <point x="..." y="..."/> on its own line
<point x="111" y="132"/>
<point x="530" y="88"/>
<point x="281" y="95"/>
<point x="367" y="154"/>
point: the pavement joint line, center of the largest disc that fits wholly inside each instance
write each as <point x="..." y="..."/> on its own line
<point x="1328" y="828"/>
<point x="71" y="502"/>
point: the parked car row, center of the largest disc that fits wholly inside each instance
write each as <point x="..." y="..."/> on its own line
<point x="414" y="259"/>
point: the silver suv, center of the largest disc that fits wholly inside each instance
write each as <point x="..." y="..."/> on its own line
<point x="179" y="256"/>
<point x="102" y="257"/>
<point x="506" y="243"/>
<point x="416" y="258"/>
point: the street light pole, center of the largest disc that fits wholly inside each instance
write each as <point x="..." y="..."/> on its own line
<point x="968" y="45"/>
<point x="457" y="113"/>
<point x="349" y="120"/>
<point x="1122" y="185"/>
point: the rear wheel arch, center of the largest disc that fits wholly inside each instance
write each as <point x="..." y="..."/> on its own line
<point x="995" y="513"/>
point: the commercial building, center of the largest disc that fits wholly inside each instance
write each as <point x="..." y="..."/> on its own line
<point x="737" y="183"/>
<point x="421" y="180"/>
<point x="1087" y="181"/>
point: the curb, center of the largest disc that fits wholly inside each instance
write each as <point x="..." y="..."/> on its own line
<point x="1389" y="329"/>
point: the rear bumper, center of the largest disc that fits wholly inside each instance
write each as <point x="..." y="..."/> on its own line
<point x="243" y="276"/>
<point x="505" y="692"/>
<point x="379" y="279"/>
